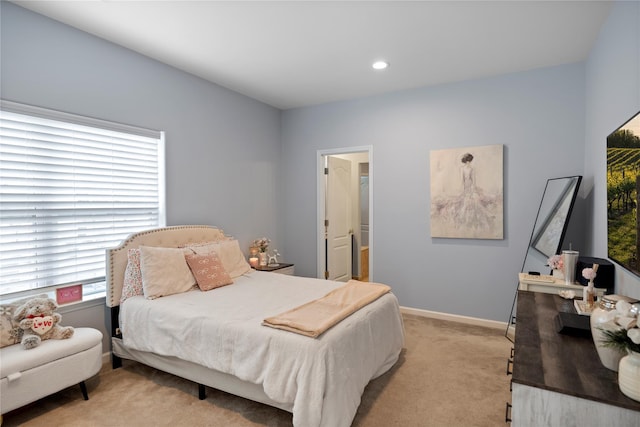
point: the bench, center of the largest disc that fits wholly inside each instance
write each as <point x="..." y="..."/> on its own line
<point x="29" y="375"/>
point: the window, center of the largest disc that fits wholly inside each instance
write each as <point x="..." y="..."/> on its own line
<point x="70" y="187"/>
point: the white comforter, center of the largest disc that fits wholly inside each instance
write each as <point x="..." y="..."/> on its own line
<point x="323" y="377"/>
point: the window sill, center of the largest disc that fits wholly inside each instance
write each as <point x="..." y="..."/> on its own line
<point x="94" y="298"/>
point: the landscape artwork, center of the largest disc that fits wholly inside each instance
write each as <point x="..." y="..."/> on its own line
<point x="467" y="192"/>
<point x="623" y="179"/>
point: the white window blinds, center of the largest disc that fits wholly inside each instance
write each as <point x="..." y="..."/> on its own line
<point x="70" y="187"/>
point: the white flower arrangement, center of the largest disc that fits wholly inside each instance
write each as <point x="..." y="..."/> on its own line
<point x="262" y="244"/>
<point x="627" y="336"/>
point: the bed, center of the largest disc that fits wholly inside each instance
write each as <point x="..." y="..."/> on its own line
<point x="216" y="338"/>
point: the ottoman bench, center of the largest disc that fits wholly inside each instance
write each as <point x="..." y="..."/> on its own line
<point x="29" y="375"/>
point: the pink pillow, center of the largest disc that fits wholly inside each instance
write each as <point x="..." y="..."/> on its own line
<point x="132" y="285"/>
<point x="208" y="270"/>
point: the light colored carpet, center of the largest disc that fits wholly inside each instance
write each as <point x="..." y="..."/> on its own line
<point x="448" y="374"/>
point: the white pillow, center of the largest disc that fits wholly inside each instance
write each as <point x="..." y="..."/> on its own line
<point x="164" y="272"/>
<point x="229" y="253"/>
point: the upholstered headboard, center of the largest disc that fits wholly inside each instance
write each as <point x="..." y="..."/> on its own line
<point x="168" y="237"/>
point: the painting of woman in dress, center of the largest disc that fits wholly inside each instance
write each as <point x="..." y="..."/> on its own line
<point x="466" y="193"/>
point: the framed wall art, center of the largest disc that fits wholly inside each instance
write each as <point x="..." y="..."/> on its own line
<point x="467" y="192"/>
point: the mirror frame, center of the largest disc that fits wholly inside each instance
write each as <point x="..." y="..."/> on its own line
<point x="547" y="222"/>
<point x="546" y="239"/>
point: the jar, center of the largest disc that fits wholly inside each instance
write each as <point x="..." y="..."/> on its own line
<point x="264" y="259"/>
<point x="603" y="317"/>
<point x="253" y="256"/>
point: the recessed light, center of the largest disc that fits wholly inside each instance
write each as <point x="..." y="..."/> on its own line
<point x="380" y="65"/>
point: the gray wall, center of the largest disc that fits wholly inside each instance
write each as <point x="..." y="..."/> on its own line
<point x="553" y="122"/>
<point x="537" y="115"/>
<point x="231" y="162"/>
<point x="222" y="148"/>
<point x="612" y="97"/>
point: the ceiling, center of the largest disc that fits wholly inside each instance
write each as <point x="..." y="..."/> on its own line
<point x="301" y="53"/>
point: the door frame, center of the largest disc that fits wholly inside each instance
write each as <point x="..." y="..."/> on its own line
<point x="320" y="189"/>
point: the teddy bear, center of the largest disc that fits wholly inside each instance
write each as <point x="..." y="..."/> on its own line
<point x="39" y="321"/>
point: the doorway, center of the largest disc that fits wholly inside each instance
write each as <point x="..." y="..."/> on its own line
<point x="344" y="216"/>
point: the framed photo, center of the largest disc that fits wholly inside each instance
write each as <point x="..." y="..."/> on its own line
<point x="467" y="192"/>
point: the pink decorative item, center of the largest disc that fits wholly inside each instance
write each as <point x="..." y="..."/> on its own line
<point x="69" y="294"/>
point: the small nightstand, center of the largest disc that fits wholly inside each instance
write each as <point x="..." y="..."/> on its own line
<point x="281" y="268"/>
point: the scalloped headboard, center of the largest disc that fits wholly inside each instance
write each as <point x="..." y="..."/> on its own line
<point x="168" y="237"/>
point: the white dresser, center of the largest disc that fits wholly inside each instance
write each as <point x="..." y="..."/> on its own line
<point x="558" y="380"/>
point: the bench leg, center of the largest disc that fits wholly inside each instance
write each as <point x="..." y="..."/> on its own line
<point x="83" y="388"/>
<point x="202" y="392"/>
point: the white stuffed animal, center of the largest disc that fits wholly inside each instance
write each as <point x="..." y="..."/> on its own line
<point x="39" y="321"/>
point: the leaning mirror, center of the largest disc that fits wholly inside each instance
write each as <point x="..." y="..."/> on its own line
<point x="550" y="227"/>
<point x="551" y="223"/>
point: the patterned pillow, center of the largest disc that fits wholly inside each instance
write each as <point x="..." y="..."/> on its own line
<point x="132" y="285"/>
<point x="208" y="270"/>
<point x="10" y="332"/>
<point x="229" y="253"/>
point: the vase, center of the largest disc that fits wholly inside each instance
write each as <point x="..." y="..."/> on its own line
<point x="602" y="317"/>
<point x="629" y="375"/>
<point x="557" y="274"/>
<point x="264" y="259"/>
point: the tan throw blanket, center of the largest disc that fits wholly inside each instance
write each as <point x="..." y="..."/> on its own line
<point x="315" y="317"/>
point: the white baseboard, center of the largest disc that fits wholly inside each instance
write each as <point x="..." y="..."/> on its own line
<point x="494" y="324"/>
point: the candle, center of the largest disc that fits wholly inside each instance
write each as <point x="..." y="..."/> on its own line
<point x="253" y="261"/>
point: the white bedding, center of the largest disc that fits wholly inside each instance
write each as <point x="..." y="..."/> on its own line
<point x="221" y="329"/>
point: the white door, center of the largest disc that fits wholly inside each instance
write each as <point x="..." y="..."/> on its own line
<point x="338" y="219"/>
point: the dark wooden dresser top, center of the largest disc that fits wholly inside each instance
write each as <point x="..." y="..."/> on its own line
<point x="552" y="361"/>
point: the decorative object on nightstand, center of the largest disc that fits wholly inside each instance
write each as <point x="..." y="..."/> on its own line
<point x="273" y="259"/>
<point x="268" y="262"/>
<point x="262" y="244"/>
<point x="264" y="260"/>
<point x="253" y="256"/>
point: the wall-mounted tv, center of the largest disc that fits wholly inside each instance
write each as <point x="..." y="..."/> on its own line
<point x="623" y="184"/>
